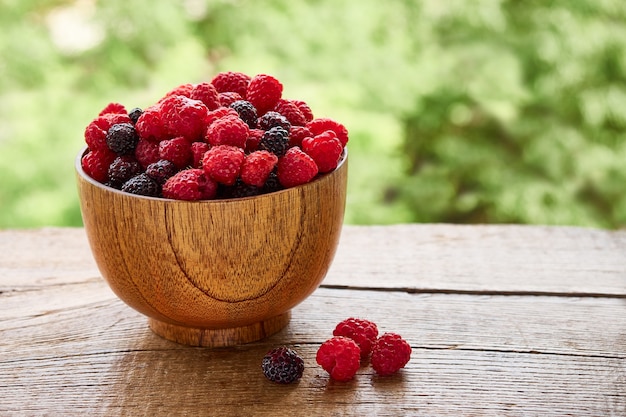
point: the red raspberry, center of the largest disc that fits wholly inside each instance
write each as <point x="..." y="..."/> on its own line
<point x="107" y="120"/>
<point x="229" y="97"/>
<point x="254" y="138"/>
<point x="317" y="126"/>
<point x="295" y="168"/>
<point x="325" y="149"/>
<point x="297" y="133"/>
<point x="190" y="184"/>
<point x="305" y="109"/>
<point x="95" y="132"/>
<point x="390" y="353"/>
<point x="183" y="116"/>
<point x="263" y="92"/>
<point x="177" y="151"/>
<point x="147" y="152"/>
<point x="291" y="111"/>
<point x="217" y="114"/>
<point x="207" y="94"/>
<point x="181" y="90"/>
<point x="363" y="332"/>
<point x="235" y="82"/>
<point x="113" y="108"/>
<point x="223" y="163"/>
<point x="229" y="130"/>
<point x="150" y="126"/>
<point x="198" y="149"/>
<point x="340" y="357"/>
<point x="96" y="164"/>
<point x="257" y="166"/>
<point x="95" y="137"/>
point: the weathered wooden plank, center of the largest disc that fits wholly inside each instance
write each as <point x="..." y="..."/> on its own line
<point x="491" y="259"/>
<point x="485" y="258"/>
<point x="90" y="316"/>
<point x="227" y="382"/>
<point x="516" y="356"/>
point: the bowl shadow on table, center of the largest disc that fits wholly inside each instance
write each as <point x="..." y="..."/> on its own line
<point x="161" y="377"/>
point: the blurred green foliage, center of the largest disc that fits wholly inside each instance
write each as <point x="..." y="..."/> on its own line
<point x="458" y="111"/>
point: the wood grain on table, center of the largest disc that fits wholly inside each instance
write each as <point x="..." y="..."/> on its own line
<point x="503" y="321"/>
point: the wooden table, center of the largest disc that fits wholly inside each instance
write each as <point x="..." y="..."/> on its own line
<point x="503" y="321"/>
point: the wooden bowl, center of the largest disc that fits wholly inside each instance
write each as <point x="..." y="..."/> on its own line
<point x="218" y="272"/>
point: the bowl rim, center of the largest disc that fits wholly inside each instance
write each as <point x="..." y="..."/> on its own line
<point x="79" y="169"/>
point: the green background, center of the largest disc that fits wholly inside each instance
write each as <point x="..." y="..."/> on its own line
<point x="459" y="111"/>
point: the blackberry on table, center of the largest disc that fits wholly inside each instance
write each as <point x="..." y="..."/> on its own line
<point x="275" y="140"/>
<point x="282" y="365"/>
<point x="122" y="138"/>
<point x="246" y="112"/>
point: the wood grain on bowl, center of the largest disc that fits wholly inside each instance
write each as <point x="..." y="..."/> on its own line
<point x="219" y="272"/>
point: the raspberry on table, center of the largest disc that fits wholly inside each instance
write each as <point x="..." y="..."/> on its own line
<point x="317" y="126"/>
<point x="142" y="184"/>
<point x="96" y="164"/>
<point x="263" y="92"/>
<point x="228" y="130"/>
<point x="223" y="163"/>
<point x="177" y="151"/>
<point x="291" y="111"/>
<point x="246" y="112"/>
<point x="340" y="357"/>
<point x="282" y="365"/>
<point x="122" y="138"/>
<point x="207" y="94"/>
<point x="273" y="119"/>
<point x="231" y="82"/>
<point x="190" y="184"/>
<point x="325" y="149"/>
<point x="275" y="140"/>
<point x="122" y="169"/>
<point x="363" y="332"/>
<point x="161" y="170"/>
<point x="296" y="168"/>
<point x="390" y="353"/>
<point x="257" y="167"/>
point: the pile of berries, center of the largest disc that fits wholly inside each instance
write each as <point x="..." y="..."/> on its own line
<point x="235" y="136"/>
<point x="353" y="341"/>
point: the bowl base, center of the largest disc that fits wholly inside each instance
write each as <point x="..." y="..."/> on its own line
<point x="220" y="337"/>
